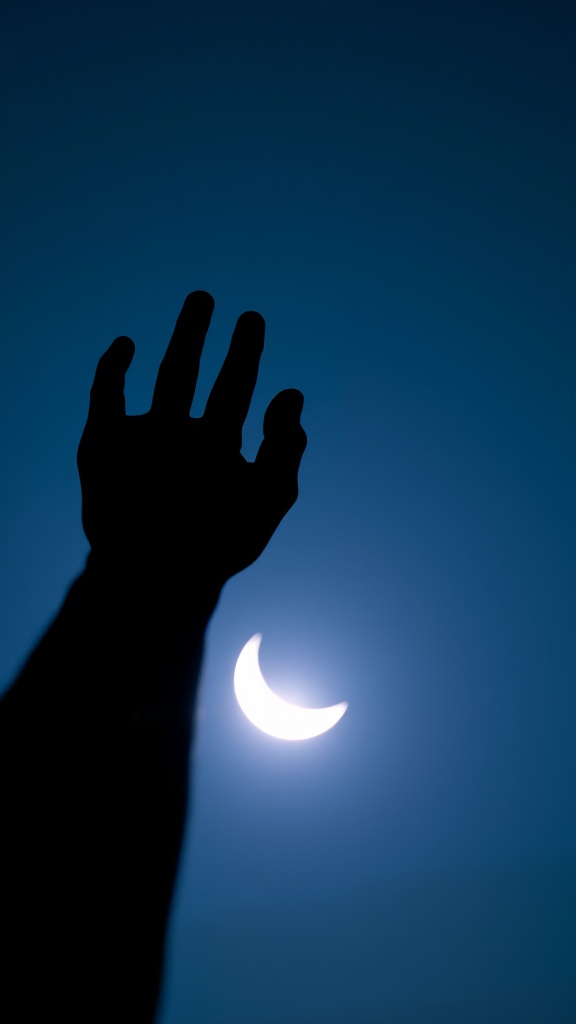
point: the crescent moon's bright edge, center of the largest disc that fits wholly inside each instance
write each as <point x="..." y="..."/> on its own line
<point x="269" y="712"/>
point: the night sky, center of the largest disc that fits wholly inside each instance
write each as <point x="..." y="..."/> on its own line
<point x="391" y="185"/>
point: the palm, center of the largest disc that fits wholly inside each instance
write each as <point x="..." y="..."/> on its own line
<point x="173" y="492"/>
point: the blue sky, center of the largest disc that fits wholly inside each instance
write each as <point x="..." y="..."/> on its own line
<point x="391" y="185"/>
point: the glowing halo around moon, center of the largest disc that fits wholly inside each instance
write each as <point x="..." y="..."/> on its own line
<point x="269" y="712"/>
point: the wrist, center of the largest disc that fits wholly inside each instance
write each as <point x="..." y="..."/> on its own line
<point x="122" y="641"/>
<point x="151" y="592"/>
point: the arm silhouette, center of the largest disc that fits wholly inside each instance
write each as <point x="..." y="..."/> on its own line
<point x="95" y="731"/>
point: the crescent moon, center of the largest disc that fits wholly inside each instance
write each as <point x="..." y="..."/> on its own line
<point x="269" y="712"/>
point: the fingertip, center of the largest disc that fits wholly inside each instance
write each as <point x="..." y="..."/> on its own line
<point x="199" y="301"/>
<point x="123" y="349"/>
<point x="282" y="416"/>
<point x="293" y="399"/>
<point x="287" y="404"/>
<point x="251" y="318"/>
<point x="124" y="344"/>
<point x="251" y="329"/>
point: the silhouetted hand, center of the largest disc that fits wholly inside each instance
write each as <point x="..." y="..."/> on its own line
<point x="96" y="729"/>
<point x="170" y="497"/>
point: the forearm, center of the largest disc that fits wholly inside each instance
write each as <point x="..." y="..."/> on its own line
<point x="95" y="733"/>
<point x="95" y="740"/>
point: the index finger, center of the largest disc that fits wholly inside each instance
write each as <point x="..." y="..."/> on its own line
<point x="178" y="372"/>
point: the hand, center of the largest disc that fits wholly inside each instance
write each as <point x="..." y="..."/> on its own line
<point x="170" y="498"/>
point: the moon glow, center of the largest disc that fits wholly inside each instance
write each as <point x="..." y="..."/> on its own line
<point x="271" y="713"/>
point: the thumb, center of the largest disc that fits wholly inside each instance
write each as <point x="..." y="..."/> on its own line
<point x="107" y="392"/>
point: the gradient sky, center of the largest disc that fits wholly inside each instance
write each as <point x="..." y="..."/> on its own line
<point x="391" y="185"/>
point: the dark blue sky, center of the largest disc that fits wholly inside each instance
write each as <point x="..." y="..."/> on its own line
<point x="391" y="185"/>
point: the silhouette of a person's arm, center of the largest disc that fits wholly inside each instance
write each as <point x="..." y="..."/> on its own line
<point x="95" y="731"/>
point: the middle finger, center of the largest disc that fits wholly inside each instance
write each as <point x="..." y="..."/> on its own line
<point x="229" y="400"/>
